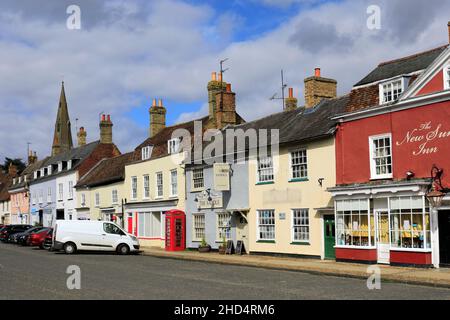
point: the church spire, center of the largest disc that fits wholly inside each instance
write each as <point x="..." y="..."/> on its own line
<point x="62" y="139"/>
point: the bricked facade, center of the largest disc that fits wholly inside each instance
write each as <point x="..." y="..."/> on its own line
<point x="226" y="110"/>
<point x="214" y="87"/>
<point x="317" y="89"/>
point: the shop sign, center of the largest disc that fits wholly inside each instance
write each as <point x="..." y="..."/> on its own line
<point x="206" y="201"/>
<point x="426" y="136"/>
<point x="221" y="176"/>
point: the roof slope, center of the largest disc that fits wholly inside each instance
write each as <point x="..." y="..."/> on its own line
<point x="5" y="182"/>
<point x="107" y="171"/>
<point x="28" y="172"/>
<point x="406" y="65"/>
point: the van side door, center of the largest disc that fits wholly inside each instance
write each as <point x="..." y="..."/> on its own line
<point x="112" y="235"/>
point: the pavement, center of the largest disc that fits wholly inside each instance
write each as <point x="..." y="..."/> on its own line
<point x="31" y="273"/>
<point x="408" y="275"/>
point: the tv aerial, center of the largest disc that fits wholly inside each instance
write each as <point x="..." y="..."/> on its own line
<point x="283" y="87"/>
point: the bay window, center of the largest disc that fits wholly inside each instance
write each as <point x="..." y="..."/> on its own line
<point x="410" y="223"/>
<point x="353" y="227"/>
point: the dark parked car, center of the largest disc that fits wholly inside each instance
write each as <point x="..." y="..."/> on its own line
<point x="7" y="231"/>
<point x="37" y="238"/>
<point x="47" y="245"/>
<point x="22" y="237"/>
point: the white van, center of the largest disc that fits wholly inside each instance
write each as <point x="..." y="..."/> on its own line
<point x="73" y="235"/>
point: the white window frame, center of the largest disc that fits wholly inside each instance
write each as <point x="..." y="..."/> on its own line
<point x="173" y="146"/>
<point x="292" y="165"/>
<point x="146" y="152"/>
<point x="223" y="228"/>
<point x="259" y="225"/>
<point x="69" y="164"/>
<point x="447" y="77"/>
<point x="300" y="225"/>
<point x="60" y="192"/>
<point x="70" y="190"/>
<point x="146" y="185"/>
<point x="134" y="188"/>
<point x="390" y="83"/>
<point x="33" y="198"/>
<point x="148" y="218"/>
<point x="260" y="169"/>
<point x="196" y="177"/>
<point x="97" y="199"/>
<point x="114" y="196"/>
<point x="173" y="183"/>
<point x="49" y="194"/>
<point x="83" y="200"/>
<point x="197" y="225"/>
<point x="373" y="172"/>
<point x="159" y="190"/>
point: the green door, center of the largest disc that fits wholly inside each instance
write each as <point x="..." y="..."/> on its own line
<point x="329" y="233"/>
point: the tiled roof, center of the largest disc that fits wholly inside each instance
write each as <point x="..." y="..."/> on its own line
<point x="406" y="65"/>
<point x="106" y="171"/>
<point x="28" y="172"/>
<point x="5" y="182"/>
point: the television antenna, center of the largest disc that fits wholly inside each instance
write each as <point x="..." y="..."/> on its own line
<point x="283" y="87"/>
<point x="222" y="71"/>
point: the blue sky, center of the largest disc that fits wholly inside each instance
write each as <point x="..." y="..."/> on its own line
<point x="129" y="52"/>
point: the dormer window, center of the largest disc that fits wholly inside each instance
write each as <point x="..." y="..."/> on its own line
<point x="20" y="179"/>
<point x="447" y="77"/>
<point x="146" y="152"/>
<point x="392" y="90"/>
<point x="35" y="175"/>
<point x="42" y="172"/>
<point x="173" y="145"/>
<point x="60" y="166"/>
<point x="14" y="180"/>
<point x="69" y="164"/>
<point x="49" y="169"/>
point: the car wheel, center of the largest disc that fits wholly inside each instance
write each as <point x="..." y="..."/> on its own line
<point x="123" y="249"/>
<point x="70" y="248"/>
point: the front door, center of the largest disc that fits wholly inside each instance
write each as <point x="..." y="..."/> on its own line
<point x="382" y="231"/>
<point x="444" y="237"/>
<point x="242" y="231"/>
<point x="130" y="223"/>
<point x="329" y="237"/>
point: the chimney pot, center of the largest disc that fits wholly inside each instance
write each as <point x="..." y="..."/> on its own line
<point x="154" y="103"/>
<point x="317" y="72"/>
<point x="291" y="92"/>
<point x="160" y="104"/>
<point x="109" y="118"/>
<point x="228" y="87"/>
<point x="220" y="75"/>
<point x="213" y="76"/>
<point x="103" y="117"/>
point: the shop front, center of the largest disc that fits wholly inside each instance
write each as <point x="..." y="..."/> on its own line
<point x="387" y="224"/>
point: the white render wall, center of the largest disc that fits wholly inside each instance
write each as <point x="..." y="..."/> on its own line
<point x="67" y="203"/>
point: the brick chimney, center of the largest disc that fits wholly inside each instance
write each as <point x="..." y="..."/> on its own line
<point x="12" y="170"/>
<point x="81" y="137"/>
<point x="106" y="129"/>
<point x="157" y="117"/>
<point x="318" y="88"/>
<point x="290" y="102"/>
<point x="226" y="111"/>
<point x="214" y="87"/>
<point x="32" y="158"/>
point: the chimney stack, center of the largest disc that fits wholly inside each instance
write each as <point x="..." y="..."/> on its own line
<point x="214" y="87"/>
<point x="32" y="158"/>
<point x="448" y="26"/>
<point x="226" y="110"/>
<point x="81" y="137"/>
<point x="318" y="88"/>
<point x="106" y="130"/>
<point x="290" y="101"/>
<point x="157" y="117"/>
<point x="12" y="170"/>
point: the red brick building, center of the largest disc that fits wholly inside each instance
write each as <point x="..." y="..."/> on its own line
<point x="392" y="150"/>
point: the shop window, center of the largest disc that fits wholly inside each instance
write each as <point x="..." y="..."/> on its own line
<point x="199" y="227"/>
<point x="299" y="165"/>
<point x="265" y="169"/>
<point x="300" y="225"/>
<point x="380" y="157"/>
<point x="149" y="224"/>
<point x="223" y="226"/>
<point x="266" y="225"/>
<point x="352" y="223"/>
<point x="410" y="223"/>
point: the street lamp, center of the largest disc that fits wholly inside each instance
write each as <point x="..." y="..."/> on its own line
<point x="435" y="197"/>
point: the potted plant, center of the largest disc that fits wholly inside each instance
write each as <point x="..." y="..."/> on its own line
<point x="204" y="246"/>
<point x="223" y="246"/>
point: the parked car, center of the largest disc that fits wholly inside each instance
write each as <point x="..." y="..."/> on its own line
<point x="48" y="240"/>
<point x="73" y="235"/>
<point x="11" y="229"/>
<point x="37" y="238"/>
<point x="21" y="237"/>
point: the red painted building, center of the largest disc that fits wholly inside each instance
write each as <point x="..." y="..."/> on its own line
<point x="392" y="147"/>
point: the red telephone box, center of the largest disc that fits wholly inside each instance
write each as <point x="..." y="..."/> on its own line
<point x="175" y="230"/>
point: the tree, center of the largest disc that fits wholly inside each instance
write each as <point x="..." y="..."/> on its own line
<point x="15" y="162"/>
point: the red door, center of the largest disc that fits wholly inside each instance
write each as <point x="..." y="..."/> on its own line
<point x="130" y="224"/>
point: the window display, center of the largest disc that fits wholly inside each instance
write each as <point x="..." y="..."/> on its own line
<point x="353" y="227"/>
